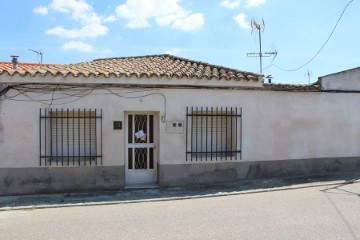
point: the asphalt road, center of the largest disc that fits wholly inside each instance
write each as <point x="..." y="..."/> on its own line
<point x="331" y="212"/>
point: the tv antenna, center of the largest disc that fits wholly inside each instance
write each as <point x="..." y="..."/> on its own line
<point x="309" y="74"/>
<point x="260" y="27"/>
<point x="39" y="54"/>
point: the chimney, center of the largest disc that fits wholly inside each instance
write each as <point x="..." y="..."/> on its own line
<point x="14" y="61"/>
<point x="269" y="77"/>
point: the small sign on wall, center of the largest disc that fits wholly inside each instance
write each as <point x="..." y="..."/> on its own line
<point x="117" y="125"/>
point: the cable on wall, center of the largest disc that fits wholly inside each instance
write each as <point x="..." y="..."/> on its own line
<point x="71" y="93"/>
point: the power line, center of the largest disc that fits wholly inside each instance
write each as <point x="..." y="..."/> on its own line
<point x="321" y="48"/>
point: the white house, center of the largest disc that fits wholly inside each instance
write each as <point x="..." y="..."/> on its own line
<point x="162" y="120"/>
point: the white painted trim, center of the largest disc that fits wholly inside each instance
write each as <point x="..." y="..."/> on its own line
<point x="132" y="81"/>
<point x="148" y="176"/>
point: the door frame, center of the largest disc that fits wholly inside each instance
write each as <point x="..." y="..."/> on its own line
<point x="129" y="175"/>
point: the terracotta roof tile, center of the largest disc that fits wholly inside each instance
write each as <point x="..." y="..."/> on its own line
<point x="9" y="65"/>
<point x="153" y="65"/>
<point x="292" y="87"/>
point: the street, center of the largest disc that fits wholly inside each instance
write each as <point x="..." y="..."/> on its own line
<point x="327" y="212"/>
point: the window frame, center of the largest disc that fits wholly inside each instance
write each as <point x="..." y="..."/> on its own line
<point x="217" y="125"/>
<point x="70" y="137"/>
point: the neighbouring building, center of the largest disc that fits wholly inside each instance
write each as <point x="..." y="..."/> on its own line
<point x="162" y="120"/>
<point x="348" y="80"/>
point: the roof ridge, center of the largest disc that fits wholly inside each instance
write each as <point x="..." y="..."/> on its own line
<point x="33" y="63"/>
<point x="183" y="59"/>
<point x="143" y="56"/>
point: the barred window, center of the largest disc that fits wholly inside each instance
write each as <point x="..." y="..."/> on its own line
<point x="70" y="137"/>
<point x="213" y="133"/>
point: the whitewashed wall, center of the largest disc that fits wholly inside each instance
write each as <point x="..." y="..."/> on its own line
<point x="348" y="80"/>
<point x="276" y="125"/>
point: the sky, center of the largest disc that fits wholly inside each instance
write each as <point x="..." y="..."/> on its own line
<point x="213" y="31"/>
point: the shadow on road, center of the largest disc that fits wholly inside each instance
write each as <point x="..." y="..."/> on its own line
<point x="339" y="189"/>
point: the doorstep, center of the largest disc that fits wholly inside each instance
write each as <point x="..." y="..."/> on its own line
<point x="142" y="186"/>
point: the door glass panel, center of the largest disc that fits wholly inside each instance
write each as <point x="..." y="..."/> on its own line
<point x="130" y="129"/>
<point x="151" y="158"/>
<point x="151" y="128"/>
<point x="130" y="158"/>
<point x="140" y="128"/>
<point x="141" y="158"/>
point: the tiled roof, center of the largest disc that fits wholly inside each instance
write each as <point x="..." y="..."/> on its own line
<point x="292" y="87"/>
<point x="144" y="66"/>
<point x="9" y="65"/>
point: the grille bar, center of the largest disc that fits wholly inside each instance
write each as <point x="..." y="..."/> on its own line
<point x="213" y="133"/>
<point x="70" y="137"/>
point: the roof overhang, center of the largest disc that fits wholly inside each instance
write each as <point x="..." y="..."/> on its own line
<point x="130" y="81"/>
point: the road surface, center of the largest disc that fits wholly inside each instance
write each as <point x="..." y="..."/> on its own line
<point x="331" y="212"/>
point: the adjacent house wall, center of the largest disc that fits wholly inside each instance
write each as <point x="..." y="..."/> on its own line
<point x="283" y="133"/>
<point x="348" y="80"/>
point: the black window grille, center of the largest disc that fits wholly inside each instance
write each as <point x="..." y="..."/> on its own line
<point x="213" y="133"/>
<point x="70" y="137"/>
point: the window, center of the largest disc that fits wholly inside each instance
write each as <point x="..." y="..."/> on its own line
<point x="70" y="137"/>
<point x="213" y="133"/>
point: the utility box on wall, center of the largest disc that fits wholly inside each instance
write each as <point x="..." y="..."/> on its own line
<point x="175" y="127"/>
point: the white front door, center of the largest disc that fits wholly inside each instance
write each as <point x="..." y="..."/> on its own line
<point x="141" y="164"/>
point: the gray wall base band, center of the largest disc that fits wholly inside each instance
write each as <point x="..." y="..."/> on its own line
<point x="60" y="179"/>
<point x="70" y="179"/>
<point x="205" y="173"/>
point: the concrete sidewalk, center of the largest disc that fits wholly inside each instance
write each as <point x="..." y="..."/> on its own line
<point x="38" y="201"/>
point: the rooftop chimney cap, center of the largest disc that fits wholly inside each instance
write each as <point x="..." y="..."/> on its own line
<point x="14" y="61"/>
<point x="14" y="58"/>
<point x="269" y="77"/>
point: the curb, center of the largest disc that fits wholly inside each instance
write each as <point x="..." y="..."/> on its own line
<point x="274" y="189"/>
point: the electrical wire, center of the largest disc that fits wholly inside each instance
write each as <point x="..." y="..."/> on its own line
<point x="52" y="96"/>
<point x="163" y="119"/>
<point x="321" y="48"/>
<point x="37" y="93"/>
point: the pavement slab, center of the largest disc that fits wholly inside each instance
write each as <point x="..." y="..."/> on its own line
<point x="38" y="201"/>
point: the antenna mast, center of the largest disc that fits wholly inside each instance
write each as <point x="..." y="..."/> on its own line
<point x="38" y="53"/>
<point x="308" y="74"/>
<point x="260" y="28"/>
